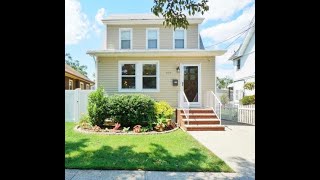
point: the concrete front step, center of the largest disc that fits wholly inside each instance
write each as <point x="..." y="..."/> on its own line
<point x="199" y="111"/>
<point x="202" y="121"/>
<point x="200" y="115"/>
<point x="204" y="127"/>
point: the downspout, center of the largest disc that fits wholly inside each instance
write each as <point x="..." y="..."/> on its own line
<point x="96" y="64"/>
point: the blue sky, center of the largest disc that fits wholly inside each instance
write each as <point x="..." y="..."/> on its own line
<point x="84" y="30"/>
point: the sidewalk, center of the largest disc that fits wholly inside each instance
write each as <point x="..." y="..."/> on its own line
<point x="235" y="145"/>
<point x="71" y="174"/>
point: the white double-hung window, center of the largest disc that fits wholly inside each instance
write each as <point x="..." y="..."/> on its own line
<point x="125" y="38"/>
<point x="179" y="41"/>
<point x="138" y="76"/>
<point x="152" y="41"/>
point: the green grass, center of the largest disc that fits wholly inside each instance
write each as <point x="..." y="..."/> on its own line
<point x="175" y="151"/>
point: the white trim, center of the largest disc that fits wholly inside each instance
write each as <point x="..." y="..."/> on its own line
<point x="81" y="83"/>
<point x="70" y="80"/>
<point x="185" y="39"/>
<point x="106" y="35"/>
<point x="131" y="37"/>
<point x="146" y="21"/>
<point x="138" y="75"/>
<point x="193" y="104"/>
<point x="157" y="53"/>
<point x="198" y="36"/>
<point x="158" y="37"/>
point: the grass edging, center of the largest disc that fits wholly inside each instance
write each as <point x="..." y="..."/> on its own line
<point x="76" y="128"/>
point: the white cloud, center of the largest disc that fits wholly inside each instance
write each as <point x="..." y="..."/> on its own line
<point x="76" y="22"/>
<point x="223" y="31"/>
<point x="224" y="9"/>
<point x="225" y="66"/>
<point x="99" y="16"/>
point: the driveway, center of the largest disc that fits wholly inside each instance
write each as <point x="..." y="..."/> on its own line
<point x="235" y="145"/>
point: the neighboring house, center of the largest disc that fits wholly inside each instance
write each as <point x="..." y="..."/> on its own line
<point x="142" y="56"/>
<point x="244" y="66"/>
<point x="73" y="79"/>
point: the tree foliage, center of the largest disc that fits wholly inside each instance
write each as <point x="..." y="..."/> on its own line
<point x="249" y="85"/>
<point x="222" y="83"/>
<point x="174" y="11"/>
<point x="75" y="64"/>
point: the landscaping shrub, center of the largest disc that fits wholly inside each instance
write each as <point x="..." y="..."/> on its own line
<point x="131" y="109"/>
<point x="163" y="109"/>
<point x="246" y="100"/>
<point x="97" y="107"/>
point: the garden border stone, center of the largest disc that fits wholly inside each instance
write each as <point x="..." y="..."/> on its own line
<point x="78" y="129"/>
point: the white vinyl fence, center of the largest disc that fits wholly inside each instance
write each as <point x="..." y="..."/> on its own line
<point x="239" y="113"/>
<point x="246" y="114"/>
<point x="76" y="102"/>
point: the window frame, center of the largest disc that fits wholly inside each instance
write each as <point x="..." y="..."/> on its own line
<point x="70" y="80"/>
<point x="158" y="38"/>
<point x="139" y="76"/>
<point x="131" y="37"/>
<point x="238" y="64"/>
<point x="185" y="39"/>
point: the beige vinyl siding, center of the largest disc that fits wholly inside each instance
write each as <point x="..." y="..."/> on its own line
<point x="192" y="37"/>
<point x="139" y="36"/>
<point x="108" y="76"/>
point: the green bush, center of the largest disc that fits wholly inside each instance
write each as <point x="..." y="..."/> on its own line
<point x="97" y="107"/>
<point x="163" y="109"/>
<point x="131" y="109"/>
<point x="246" y="100"/>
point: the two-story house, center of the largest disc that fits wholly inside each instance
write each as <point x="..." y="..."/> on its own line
<point x="244" y="66"/>
<point x="143" y="56"/>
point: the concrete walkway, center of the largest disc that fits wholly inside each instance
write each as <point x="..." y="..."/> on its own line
<point x="235" y="145"/>
<point x="71" y="174"/>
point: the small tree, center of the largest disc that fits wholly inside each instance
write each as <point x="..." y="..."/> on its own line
<point x="97" y="107"/>
<point x="224" y="99"/>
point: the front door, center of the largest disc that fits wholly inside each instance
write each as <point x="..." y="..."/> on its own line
<point x="190" y="78"/>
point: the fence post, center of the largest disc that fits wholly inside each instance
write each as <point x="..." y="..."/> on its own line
<point x="76" y="105"/>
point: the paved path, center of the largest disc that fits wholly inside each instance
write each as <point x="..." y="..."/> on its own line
<point x="71" y="174"/>
<point x="236" y="146"/>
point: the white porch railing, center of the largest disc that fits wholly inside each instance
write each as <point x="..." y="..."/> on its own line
<point x="184" y="105"/>
<point x="214" y="103"/>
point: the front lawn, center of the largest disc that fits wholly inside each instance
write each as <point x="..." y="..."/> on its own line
<point x="176" y="151"/>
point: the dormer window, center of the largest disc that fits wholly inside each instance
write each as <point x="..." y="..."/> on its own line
<point x="152" y="38"/>
<point x="125" y="38"/>
<point x="179" y="39"/>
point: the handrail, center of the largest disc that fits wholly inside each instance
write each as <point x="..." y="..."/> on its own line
<point x="215" y="104"/>
<point x="185" y="105"/>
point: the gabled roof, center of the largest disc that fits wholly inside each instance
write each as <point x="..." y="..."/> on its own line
<point x="246" y="41"/>
<point x="146" y="18"/>
<point x="72" y="71"/>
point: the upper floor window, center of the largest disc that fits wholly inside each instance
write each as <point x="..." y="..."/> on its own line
<point x="179" y="39"/>
<point x="152" y="38"/>
<point x="125" y="38"/>
<point x="238" y="64"/>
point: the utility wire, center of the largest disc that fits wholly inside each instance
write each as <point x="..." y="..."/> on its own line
<point x="234" y="40"/>
<point x="231" y="37"/>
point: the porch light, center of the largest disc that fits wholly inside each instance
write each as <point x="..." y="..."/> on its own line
<point x="178" y="69"/>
